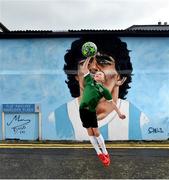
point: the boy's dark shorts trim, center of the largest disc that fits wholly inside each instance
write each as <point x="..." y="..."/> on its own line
<point x="88" y="118"/>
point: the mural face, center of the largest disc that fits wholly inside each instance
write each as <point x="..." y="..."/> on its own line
<point x="47" y="72"/>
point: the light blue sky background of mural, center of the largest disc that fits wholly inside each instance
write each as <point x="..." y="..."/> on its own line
<point x="149" y="88"/>
<point x="31" y="71"/>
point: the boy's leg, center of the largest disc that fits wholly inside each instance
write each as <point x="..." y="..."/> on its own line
<point x="93" y="140"/>
<point x="101" y="142"/>
<point x="90" y="120"/>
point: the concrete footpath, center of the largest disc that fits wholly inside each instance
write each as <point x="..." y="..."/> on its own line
<point x="81" y="162"/>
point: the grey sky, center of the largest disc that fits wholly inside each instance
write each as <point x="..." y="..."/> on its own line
<point x="81" y="14"/>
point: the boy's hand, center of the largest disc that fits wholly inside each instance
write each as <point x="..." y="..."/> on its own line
<point x="122" y="116"/>
<point x="85" y="69"/>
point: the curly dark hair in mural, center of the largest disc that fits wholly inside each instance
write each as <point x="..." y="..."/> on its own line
<point x="109" y="45"/>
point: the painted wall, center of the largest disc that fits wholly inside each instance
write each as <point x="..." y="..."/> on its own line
<point x="31" y="72"/>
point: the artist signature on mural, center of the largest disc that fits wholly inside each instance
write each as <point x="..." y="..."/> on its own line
<point x="20" y="124"/>
<point x="155" y="130"/>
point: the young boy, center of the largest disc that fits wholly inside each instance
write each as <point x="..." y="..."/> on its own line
<point x="92" y="93"/>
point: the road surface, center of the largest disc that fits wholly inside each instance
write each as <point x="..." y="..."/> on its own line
<point x="82" y="163"/>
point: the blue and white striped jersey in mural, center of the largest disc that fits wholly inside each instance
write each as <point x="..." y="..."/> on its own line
<point x="69" y="126"/>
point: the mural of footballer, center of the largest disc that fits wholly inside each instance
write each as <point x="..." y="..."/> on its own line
<point x="118" y="75"/>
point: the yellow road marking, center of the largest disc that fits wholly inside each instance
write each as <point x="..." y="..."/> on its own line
<point x="81" y="146"/>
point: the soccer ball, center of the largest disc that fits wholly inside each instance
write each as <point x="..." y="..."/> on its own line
<point x="89" y="49"/>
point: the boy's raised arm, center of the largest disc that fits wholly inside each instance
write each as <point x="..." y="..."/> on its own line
<point x="85" y="69"/>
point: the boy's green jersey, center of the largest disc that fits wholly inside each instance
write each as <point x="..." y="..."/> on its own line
<point x="92" y="93"/>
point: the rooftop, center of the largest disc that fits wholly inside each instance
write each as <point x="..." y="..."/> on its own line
<point x="159" y="29"/>
<point x="3" y="28"/>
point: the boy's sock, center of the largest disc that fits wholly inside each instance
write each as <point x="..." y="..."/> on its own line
<point x="93" y="141"/>
<point x="102" y="144"/>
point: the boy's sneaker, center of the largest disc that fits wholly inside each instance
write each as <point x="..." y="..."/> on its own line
<point x="104" y="159"/>
<point x="108" y="157"/>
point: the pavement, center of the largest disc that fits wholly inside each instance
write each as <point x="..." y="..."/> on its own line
<point x="74" y="161"/>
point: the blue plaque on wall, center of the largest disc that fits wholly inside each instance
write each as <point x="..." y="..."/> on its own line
<point x="21" y="121"/>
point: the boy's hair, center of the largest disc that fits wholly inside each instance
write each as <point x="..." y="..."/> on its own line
<point x="102" y="73"/>
<point x="109" y="45"/>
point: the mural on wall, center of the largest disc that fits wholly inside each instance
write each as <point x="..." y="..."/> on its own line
<point x="47" y="72"/>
